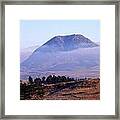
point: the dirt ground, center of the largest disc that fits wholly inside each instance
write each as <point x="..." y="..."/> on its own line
<point x="75" y="90"/>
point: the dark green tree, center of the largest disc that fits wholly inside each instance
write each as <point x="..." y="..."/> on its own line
<point x="30" y="80"/>
<point x="43" y="79"/>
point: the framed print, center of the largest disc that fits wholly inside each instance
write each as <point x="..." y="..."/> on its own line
<point x="60" y="60"/>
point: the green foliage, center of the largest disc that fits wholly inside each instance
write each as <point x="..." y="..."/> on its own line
<point x="30" y="80"/>
<point x="36" y="86"/>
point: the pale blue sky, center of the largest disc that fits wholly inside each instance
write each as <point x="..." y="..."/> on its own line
<point x="37" y="32"/>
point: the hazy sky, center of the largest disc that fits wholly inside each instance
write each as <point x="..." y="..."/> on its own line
<point x="37" y="32"/>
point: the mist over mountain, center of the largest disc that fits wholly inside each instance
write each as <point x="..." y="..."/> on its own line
<point x="26" y="52"/>
<point x="64" y="54"/>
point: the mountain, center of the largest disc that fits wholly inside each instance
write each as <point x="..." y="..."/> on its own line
<point x="26" y="52"/>
<point x="66" y="43"/>
<point x="64" y="54"/>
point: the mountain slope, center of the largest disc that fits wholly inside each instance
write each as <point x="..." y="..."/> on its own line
<point x="26" y="52"/>
<point x="63" y="53"/>
<point x="66" y="43"/>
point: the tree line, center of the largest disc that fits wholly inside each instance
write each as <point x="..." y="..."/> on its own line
<point x="50" y="79"/>
<point x="36" y="86"/>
